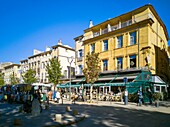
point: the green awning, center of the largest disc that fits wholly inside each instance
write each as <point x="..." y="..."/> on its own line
<point x="68" y="86"/>
<point x="115" y="84"/>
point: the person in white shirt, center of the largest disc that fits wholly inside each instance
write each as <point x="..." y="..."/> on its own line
<point x="58" y="96"/>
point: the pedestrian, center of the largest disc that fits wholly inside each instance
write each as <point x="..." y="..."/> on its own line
<point x="139" y="94"/>
<point x="50" y="95"/>
<point x="150" y="96"/>
<point x="54" y="96"/>
<point x="58" y="96"/>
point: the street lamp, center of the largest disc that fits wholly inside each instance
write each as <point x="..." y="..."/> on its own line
<point x="70" y="60"/>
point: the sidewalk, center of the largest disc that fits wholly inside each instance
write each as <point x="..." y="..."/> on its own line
<point x="46" y="119"/>
<point x="10" y="113"/>
<point x="164" y="105"/>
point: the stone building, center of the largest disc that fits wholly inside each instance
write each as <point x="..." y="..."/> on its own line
<point x="9" y="70"/>
<point x="40" y="59"/>
<point x="132" y="46"/>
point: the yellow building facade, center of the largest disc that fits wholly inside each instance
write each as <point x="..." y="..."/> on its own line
<point x="134" y="40"/>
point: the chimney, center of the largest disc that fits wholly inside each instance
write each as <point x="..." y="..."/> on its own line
<point x="91" y="24"/>
<point x="59" y="42"/>
<point x="47" y="48"/>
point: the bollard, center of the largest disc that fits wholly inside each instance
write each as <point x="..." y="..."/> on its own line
<point x="75" y="112"/>
<point x="68" y="108"/>
<point x="58" y="117"/>
<point x="17" y="122"/>
<point x="157" y="104"/>
<point x="126" y="97"/>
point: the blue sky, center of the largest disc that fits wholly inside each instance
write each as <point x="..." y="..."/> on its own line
<point x="34" y="24"/>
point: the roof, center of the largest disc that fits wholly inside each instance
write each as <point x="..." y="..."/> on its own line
<point x="77" y="38"/>
<point x="12" y="65"/>
<point x="63" y="46"/>
<point x="131" y="12"/>
<point x="40" y="54"/>
<point x="24" y="60"/>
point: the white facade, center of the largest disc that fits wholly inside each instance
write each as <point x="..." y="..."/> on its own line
<point x="2" y="65"/>
<point x="66" y="56"/>
<point x="40" y="59"/>
<point x="79" y="54"/>
<point x="10" y="70"/>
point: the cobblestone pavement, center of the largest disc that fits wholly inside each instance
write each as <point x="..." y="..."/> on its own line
<point x="101" y="114"/>
<point x="10" y="112"/>
<point x="116" y="114"/>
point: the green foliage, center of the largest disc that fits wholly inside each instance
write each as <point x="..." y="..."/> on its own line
<point x="132" y="98"/>
<point x="29" y="77"/>
<point x="91" y="72"/>
<point x="164" y="96"/>
<point x="54" y="71"/>
<point x="2" y="82"/>
<point x="156" y="96"/>
<point x="13" y="79"/>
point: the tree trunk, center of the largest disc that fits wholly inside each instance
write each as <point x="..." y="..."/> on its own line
<point x="91" y="92"/>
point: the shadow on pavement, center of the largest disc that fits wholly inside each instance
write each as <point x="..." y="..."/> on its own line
<point x="115" y="116"/>
<point x="96" y="116"/>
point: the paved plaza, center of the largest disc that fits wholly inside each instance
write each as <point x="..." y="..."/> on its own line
<point x="97" y="114"/>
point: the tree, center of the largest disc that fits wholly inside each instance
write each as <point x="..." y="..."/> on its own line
<point x="13" y="79"/>
<point x="30" y="76"/>
<point x="2" y="82"/>
<point x="54" y="71"/>
<point x="91" y="72"/>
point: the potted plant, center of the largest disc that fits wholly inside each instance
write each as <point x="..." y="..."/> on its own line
<point x="156" y="96"/>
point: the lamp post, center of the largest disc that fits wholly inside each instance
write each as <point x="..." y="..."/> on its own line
<point x="70" y="60"/>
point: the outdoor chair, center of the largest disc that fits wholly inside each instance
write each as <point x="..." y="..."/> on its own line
<point x="113" y="98"/>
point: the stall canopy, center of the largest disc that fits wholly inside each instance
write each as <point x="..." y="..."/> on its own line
<point x="41" y="84"/>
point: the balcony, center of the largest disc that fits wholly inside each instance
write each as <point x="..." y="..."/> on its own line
<point x="119" y="25"/>
<point x="95" y="34"/>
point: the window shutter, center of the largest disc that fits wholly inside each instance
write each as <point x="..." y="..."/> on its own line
<point x="76" y="54"/>
<point x="82" y="52"/>
<point x="121" y="41"/>
<point x="76" y="69"/>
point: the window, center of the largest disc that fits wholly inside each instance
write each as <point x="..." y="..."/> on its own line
<point x="80" y="53"/>
<point x="132" y="61"/>
<point x="105" y="45"/>
<point x="105" y="65"/>
<point x="119" y="63"/>
<point x="119" y="41"/>
<point x="80" y="69"/>
<point x="157" y="88"/>
<point x="133" y="38"/>
<point x="42" y="65"/>
<point x="42" y="77"/>
<point x="124" y="24"/>
<point x="92" y="48"/>
<point x="163" y="89"/>
<point x="65" y="73"/>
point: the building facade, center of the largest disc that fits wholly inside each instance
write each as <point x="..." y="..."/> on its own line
<point x="137" y="40"/>
<point x="79" y="54"/>
<point x="9" y="70"/>
<point x="2" y="65"/>
<point x="40" y="59"/>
